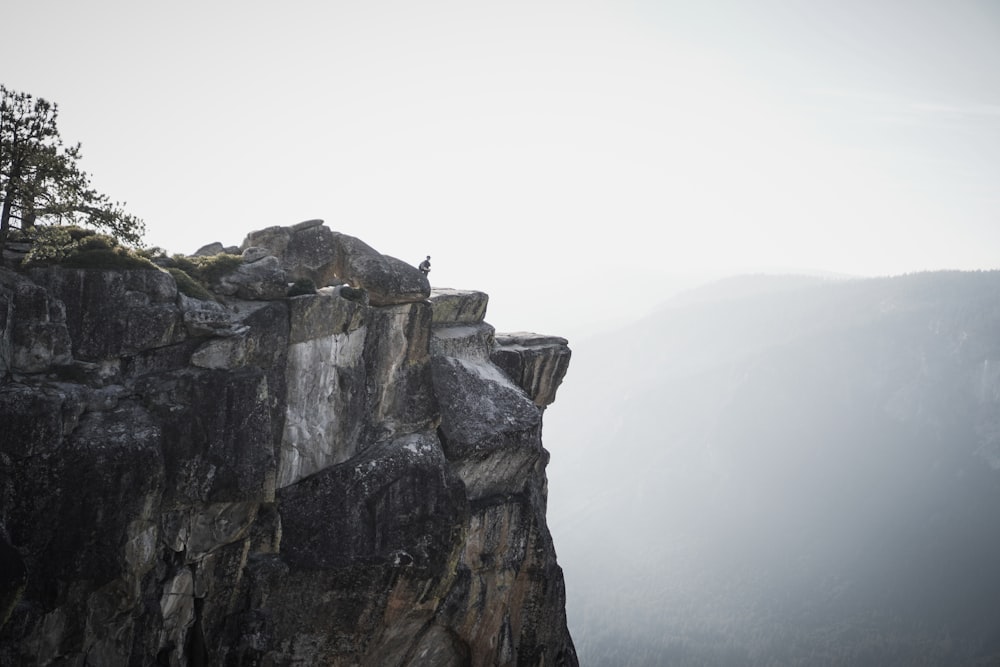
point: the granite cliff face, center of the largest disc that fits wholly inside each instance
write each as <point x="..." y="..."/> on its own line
<point x="352" y="477"/>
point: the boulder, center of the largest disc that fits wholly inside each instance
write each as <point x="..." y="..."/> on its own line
<point x="537" y="363"/>
<point x="312" y="251"/>
<point x="209" y="250"/>
<point x="471" y="342"/>
<point x="254" y="254"/>
<point x="453" y="307"/>
<point x="490" y="430"/>
<point x="258" y="280"/>
<point x="387" y="280"/>
<point x="304" y="252"/>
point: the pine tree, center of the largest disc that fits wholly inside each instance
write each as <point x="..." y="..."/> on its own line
<point x="40" y="179"/>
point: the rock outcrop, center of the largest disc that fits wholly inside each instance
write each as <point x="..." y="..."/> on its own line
<point x="270" y="480"/>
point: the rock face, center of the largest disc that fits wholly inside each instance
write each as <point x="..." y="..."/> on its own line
<point x="270" y="480"/>
<point x="310" y="250"/>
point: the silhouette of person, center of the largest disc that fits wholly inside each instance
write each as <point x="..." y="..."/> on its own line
<point x="425" y="265"/>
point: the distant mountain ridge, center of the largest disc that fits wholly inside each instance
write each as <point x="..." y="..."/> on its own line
<point x="790" y="471"/>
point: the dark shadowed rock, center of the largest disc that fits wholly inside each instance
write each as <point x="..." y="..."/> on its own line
<point x="114" y="313"/>
<point x="535" y="362"/>
<point x="13" y="577"/>
<point x="340" y="477"/>
<point x="33" y="335"/>
<point x="400" y="493"/>
<point x="217" y="443"/>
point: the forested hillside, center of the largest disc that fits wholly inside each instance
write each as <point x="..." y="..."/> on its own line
<point x="787" y="471"/>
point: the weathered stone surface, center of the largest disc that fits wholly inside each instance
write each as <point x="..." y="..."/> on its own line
<point x="209" y="250"/>
<point x="535" y="362"/>
<point x="85" y="537"/>
<point x="308" y="252"/>
<point x="323" y="427"/>
<point x="258" y="280"/>
<point x="13" y="577"/>
<point x="307" y="224"/>
<point x="483" y="406"/>
<point x="505" y="553"/>
<point x="399" y="386"/>
<point x="490" y="429"/>
<point x="254" y="254"/>
<point x="37" y="418"/>
<point x="312" y="251"/>
<point x="200" y="530"/>
<point x="323" y="314"/>
<point x="217" y="434"/>
<point x="341" y="478"/>
<point x="206" y="318"/>
<point x="114" y="313"/>
<point x="471" y="342"/>
<point x="216" y="248"/>
<point x="397" y="503"/>
<point x="452" y="306"/>
<point x="33" y="335"/>
<point x="386" y="279"/>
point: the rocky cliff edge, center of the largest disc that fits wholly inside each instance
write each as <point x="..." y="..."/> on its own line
<point x="351" y="477"/>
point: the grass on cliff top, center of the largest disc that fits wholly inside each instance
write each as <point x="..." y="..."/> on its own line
<point x="194" y="274"/>
<point x="74" y="247"/>
<point x="209" y="269"/>
<point x="188" y="286"/>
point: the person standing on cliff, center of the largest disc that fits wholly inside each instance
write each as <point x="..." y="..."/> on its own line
<point x="425" y="265"/>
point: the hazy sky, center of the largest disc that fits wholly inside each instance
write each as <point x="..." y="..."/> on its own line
<point x="520" y="142"/>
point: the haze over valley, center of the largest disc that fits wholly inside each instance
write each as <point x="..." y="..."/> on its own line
<point x="786" y="470"/>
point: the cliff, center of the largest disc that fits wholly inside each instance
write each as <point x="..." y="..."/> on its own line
<point x="351" y="477"/>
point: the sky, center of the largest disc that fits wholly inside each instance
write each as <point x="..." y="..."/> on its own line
<point x="580" y="154"/>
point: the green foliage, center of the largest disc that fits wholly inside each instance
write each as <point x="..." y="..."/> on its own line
<point x="96" y="242"/>
<point x="193" y="274"/>
<point x="78" y="248"/>
<point x="302" y="286"/>
<point x="210" y="269"/>
<point x="107" y="258"/>
<point x="40" y="180"/>
<point x="152" y="253"/>
<point x="49" y="245"/>
<point x="189" y="286"/>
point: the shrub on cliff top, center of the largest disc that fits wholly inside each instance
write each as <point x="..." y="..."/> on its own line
<point x="208" y="269"/>
<point x="107" y="258"/>
<point x="78" y="248"/>
<point x="188" y="286"/>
